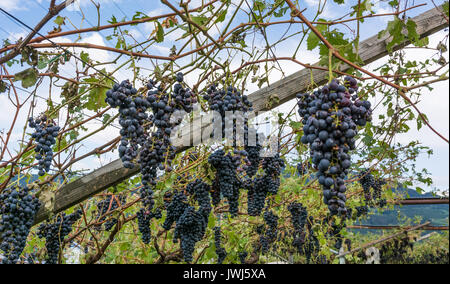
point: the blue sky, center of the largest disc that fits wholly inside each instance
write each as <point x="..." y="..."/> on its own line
<point x="436" y="106"/>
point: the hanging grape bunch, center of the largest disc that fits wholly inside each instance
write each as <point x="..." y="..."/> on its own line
<point x="262" y="185"/>
<point x="18" y="207"/>
<point x="220" y="251"/>
<point x="331" y="117"/>
<point x="228" y="99"/>
<point x="44" y="134"/>
<point x="132" y="109"/>
<point x="299" y="216"/>
<point x="366" y="180"/>
<point x="304" y="238"/>
<point x="272" y="167"/>
<point x="226" y="183"/>
<point x="242" y="256"/>
<point x="253" y="155"/>
<point x="175" y="207"/>
<point x="200" y="191"/>
<point x="144" y="223"/>
<point x="190" y="228"/>
<point x="55" y="233"/>
<point x="190" y="223"/>
<point x="158" y="151"/>
<point x="302" y="168"/>
<point x="268" y="233"/>
<point x="372" y="188"/>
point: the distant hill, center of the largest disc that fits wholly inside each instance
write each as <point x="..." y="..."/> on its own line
<point x="438" y="214"/>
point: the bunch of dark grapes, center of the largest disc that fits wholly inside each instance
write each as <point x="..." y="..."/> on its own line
<point x="272" y="167"/>
<point x="190" y="228"/>
<point x="200" y="191"/>
<point x="220" y="251"/>
<point x="18" y="207"/>
<point x="396" y="251"/>
<point x="299" y="217"/>
<point x="331" y="117"/>
<point x="256" y="195"/>
<point x="372" y="188"/>
<point x="362" y="211"/>
<point x="226" y="183"/>
<point x="55" y="233"/>
<point x="377" y="190"/>
<point x="231" y="100"/>
<point x="253" y="158"/>
<point x="175" y="209"/>
<point x="242" y="256"/>
<point x="312" y="245"/>
<point x="44" y="134"/>
<point x="158" y="151"/>
<point x="261" y="186"/>
<point x="303" y="168"/>
<point x="253" y="154"/>
<point x="132" y="109"/>
<point x="110" y="203"/>
<point x="268" y="234"/>
<point x="144" y="223"/>
<point x="366" y="180"/>
<point x="304" y="239"/>
<point x="335" y="233"/>
<point x="190" y="224"/>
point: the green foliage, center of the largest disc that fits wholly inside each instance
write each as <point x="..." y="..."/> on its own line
<point x="28" y="77"/>
<point x="97" y="94"/>
<point x="3" y="87"/>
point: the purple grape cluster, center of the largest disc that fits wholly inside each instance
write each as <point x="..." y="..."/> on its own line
<point x="132" y="110"/>
<point x="55" y="233"/>
<point x="268" y="233"/>
<point x="144" y="219"/>
<point x="220" y="251"/>
<point x="228" y="99"/>
<point x="261" y="186"/>
<point x="45" y="134"/>
<point x="18" y="208"/>
<point x="330" y="118"/>
<point x="372" y="188"/>
<point x="158" y="152"/>
<point x="226" y="184"/>
<point x="190" y="228"/>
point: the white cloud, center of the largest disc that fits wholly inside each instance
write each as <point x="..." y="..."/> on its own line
<point x="10" y="5"/>
<point x="157" y="12"/>
<point x="382" y="8"/>
<point x="328" y="11"/>
<point x="78" y="4"/>
<point x="98" y="55"/>
<point x="135" y="33"/>
<point x="312" y="3"/>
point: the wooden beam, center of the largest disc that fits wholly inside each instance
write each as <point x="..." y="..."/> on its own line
<point x="111" y="174"/>
<point x="382" y="240"/>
